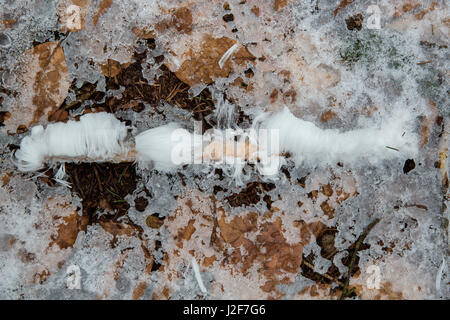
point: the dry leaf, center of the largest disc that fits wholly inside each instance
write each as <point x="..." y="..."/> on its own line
<point x="59" y="116"/>
<point x="181" y="21"/>
<point x="104" y="5"/>
<point x="144" y="33"/>
<point x="138" y="292"/>
<point x="8" y="23"/>
<point x="326" y="116"/>
<point x="6" y="177"/>
<point x="154" y="222"/>
<point x="280" y="4"/>
<point x="68" y="230"/>
<point x="45" y="84"/>
<point x="203" y="66"/>
<point x="280" y="259"/>
<point x="112" y="67"/>
<point x="117" y="229"/>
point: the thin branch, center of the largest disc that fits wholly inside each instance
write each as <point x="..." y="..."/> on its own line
<point x="358" y="243"/>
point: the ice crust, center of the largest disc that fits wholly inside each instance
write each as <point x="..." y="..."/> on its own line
<point x="408" y="244"/>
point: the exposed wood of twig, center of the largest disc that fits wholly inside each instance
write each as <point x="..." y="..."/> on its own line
<point x="127" y="156"/>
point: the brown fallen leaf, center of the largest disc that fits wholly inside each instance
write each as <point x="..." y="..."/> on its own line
<point x="45" y="83"/>
<point x="138" y="292"/>
<point x="68" y="230"/>
<point x="327" y="209"/>
<point x="342" y="5"/>
<point x="327" y="190"/>
<point x="4" y="115"/>
<point x="233" y="232"/>
<point x="59" y="116"/>
<point x="327" y="116"/>
<point x="144" y="33"/>
<point x="257" y="249"/>
<point x="8" y="23"/>
<point x="186" y="232"/>
<point x="369" y="110"/>
<point x="154" y="222"/>
<point x="203" y="66"/>
<point x="409" y="6"/>
<point x="181" y="21"/>
<point x="6" y="177"/>
<point x="239" y="82"/>
<point x="307" y="230"/>
<point x="21" y="129"/>
<point x="112" y="67"/>
<point x="290" y="96"/>
<point x="208" y="261"/>
<point x="255" y="10"/>
<point x="104" y="5"/>
<point x="274" y="96"/>
<point x="280" y="260"/>
<point x="117" y="228"/>
<point x="40" y="277"/>
<point x="280" y="4"/>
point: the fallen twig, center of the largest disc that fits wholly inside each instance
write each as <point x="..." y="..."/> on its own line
<point x="358" y="243"/>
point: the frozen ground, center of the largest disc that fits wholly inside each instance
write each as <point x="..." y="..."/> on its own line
<point x="133" y="233"/>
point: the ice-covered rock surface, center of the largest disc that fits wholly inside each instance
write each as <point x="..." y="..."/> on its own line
<point x="292" y="237"/>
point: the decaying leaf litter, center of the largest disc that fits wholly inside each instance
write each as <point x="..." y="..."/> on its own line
<point x="134" y="232"/>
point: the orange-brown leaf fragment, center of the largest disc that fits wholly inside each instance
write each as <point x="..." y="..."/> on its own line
<point x="117" y="229"/>
<point x="309" y="229"/>
<point x="279" y="254"/>
<point x="203" y="66"/>
<point x="154" y="222"/>
<point x="59" y="116"/>
<point x="234" y="231"/>
<point x="327" y="116"/>
<point x="4" y="115"/>
<point x="290" y="96"/>
<point x="68" y="230"/>
<point x="327" y="190"/>
<point x="208" y="261"/>
<point x="409" y="6"/>
<point x="144" y="33"/>
<point x="274" y="96"/>
<point x="40" y="277"/>
<point x="45" y="83"/>
<point x="255" y="10"/>
<point x="104" y="5"/>
<point x="327" y="209"/>
<point x="6" y="178"/>
<point x="181" y="21"/>
<point x="280" y="4"/>
<point x="186" y="232"/>
<point x="342" y="5"/>
<point x="112" y="68"/>
<point x="138" y="292"/>
<point x="8" y="23"/>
